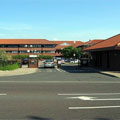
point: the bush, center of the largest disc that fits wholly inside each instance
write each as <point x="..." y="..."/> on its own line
<point x="19" y="56"/>
<point x="9" y="67"/>
<point x="45" y="57"/>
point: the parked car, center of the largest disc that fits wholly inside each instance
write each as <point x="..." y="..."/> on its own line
<point x="25" y="61"/>
<point x="74" y="61"/>
<point x="62" y="61"/>
<point x="49" y="63"/>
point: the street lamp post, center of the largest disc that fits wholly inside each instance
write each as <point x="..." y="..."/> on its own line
<point x="74" y="57"/>
<point x="28" y="51"/>
<point x="74" y="50"/>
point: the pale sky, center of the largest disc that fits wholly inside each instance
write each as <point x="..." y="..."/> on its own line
<point x="59" y="19"/>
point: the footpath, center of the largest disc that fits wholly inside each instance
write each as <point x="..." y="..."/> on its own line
<point x="20" y="71"/>
<point x="111" y="73"/>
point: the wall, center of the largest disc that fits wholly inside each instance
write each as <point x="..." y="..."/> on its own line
<point x="107" y="60"/>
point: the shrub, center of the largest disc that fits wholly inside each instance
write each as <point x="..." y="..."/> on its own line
<point x="45" y="57"/>
<point x="19" y="56"/>
<point x="9" y="67"/>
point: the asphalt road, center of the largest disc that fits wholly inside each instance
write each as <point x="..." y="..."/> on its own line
<point x="68" y="93"/>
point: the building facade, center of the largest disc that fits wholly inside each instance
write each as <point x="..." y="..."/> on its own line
<point x="34" y="46"/>
<point x="106" y="54"/>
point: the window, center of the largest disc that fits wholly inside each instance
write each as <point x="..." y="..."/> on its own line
<point x="15" y="51"/>
<point x="48" y="46"/>
<point x="48" y="51"/>
<point x="31" y="45"/>
<point x="22" y="46"/>
<point x="2" y="46"/>
<point x="8" y="51"/>
<point x="12" y="46"/>
<point x="24" y="51"/>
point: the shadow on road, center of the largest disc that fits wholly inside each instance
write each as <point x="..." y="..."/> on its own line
<point x="38" y="118"/>
<point x="43" y="68"/>
<point x="102" y="119"/>
<point x="78" y="69"/>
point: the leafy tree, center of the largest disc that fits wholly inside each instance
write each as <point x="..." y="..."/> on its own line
<point x="78" y="52"/>
<point x="68" y="52"/>
<point x="3" y="55"/>
<point x="71" y="52"/>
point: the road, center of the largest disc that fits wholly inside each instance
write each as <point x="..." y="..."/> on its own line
<point x="68" y="93"/>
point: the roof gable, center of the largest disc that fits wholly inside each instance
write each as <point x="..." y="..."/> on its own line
<point x="110" y="42"/>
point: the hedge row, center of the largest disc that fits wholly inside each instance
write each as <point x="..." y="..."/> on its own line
<point x="26" y="56"/>
<point x="45" y="57"/>
<point x="19" y="56"/>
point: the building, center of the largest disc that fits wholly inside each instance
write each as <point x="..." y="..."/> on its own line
<point x="90" y="43"/>
<point x="27" y="46"/>
<point x="34" y="46"/>
<point x="106" y="54"/>
<point x="62" y="44"/>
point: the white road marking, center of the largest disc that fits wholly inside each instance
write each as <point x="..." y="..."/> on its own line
<point x="63" y="82"/>
<point x="60" y="70"/>
<point x="81" y="98"/>
<point x="93" y="98"/>
<point x="2" y="94"/>
<point x="74" y="94"/>
<point x="96" y="107"/>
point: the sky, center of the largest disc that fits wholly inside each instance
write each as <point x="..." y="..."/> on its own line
<point x="59" y="19"/>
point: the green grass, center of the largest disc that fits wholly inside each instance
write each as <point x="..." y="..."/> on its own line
<point x="9" y="67"/>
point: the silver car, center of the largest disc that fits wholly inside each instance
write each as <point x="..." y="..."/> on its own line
<point x="49" y="63"/>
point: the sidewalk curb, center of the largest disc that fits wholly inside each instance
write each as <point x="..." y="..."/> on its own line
<point x="20" y="71"/>
<point x="111" y="74"/>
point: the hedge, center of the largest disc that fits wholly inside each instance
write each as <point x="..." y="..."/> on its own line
<point x="26" y="56"/>
<point x="45" y="57"/>
<point x="9" y="67"/>
<point x="19" y="56"/>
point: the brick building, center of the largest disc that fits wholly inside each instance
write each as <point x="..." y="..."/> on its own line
<point x="35" y="46"/>
<point x="106" y="54"/>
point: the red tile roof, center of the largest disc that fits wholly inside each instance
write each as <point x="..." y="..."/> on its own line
<point x="61" y="44"/>
<point x="92" y="42"/>
<point x="25" y="41"/>
<point x="70" y="43"/>
<point x="110" y="42"/>
<point x="79" y="43"/>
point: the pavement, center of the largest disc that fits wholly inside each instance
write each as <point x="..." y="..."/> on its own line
<point x="20" y="71"/>
<point x="112" y="73"/>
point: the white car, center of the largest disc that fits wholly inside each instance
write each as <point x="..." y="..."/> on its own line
<point x="74" y="61"/>
<point x="62" y="61"/>
<point x="49" y="63"/>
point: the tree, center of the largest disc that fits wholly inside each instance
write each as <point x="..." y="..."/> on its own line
<point x="3" y="55"/>
<point x="78" y="52"/>
<point x="68" y="52"/>
<point x="71" y="52"/>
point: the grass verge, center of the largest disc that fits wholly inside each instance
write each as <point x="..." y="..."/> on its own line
<point x="9" y="67"/>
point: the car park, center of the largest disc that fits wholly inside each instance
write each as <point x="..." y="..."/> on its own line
<point x="49" y="63"/>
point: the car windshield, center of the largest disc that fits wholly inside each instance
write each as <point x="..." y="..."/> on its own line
<point x="49" y="61"/>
